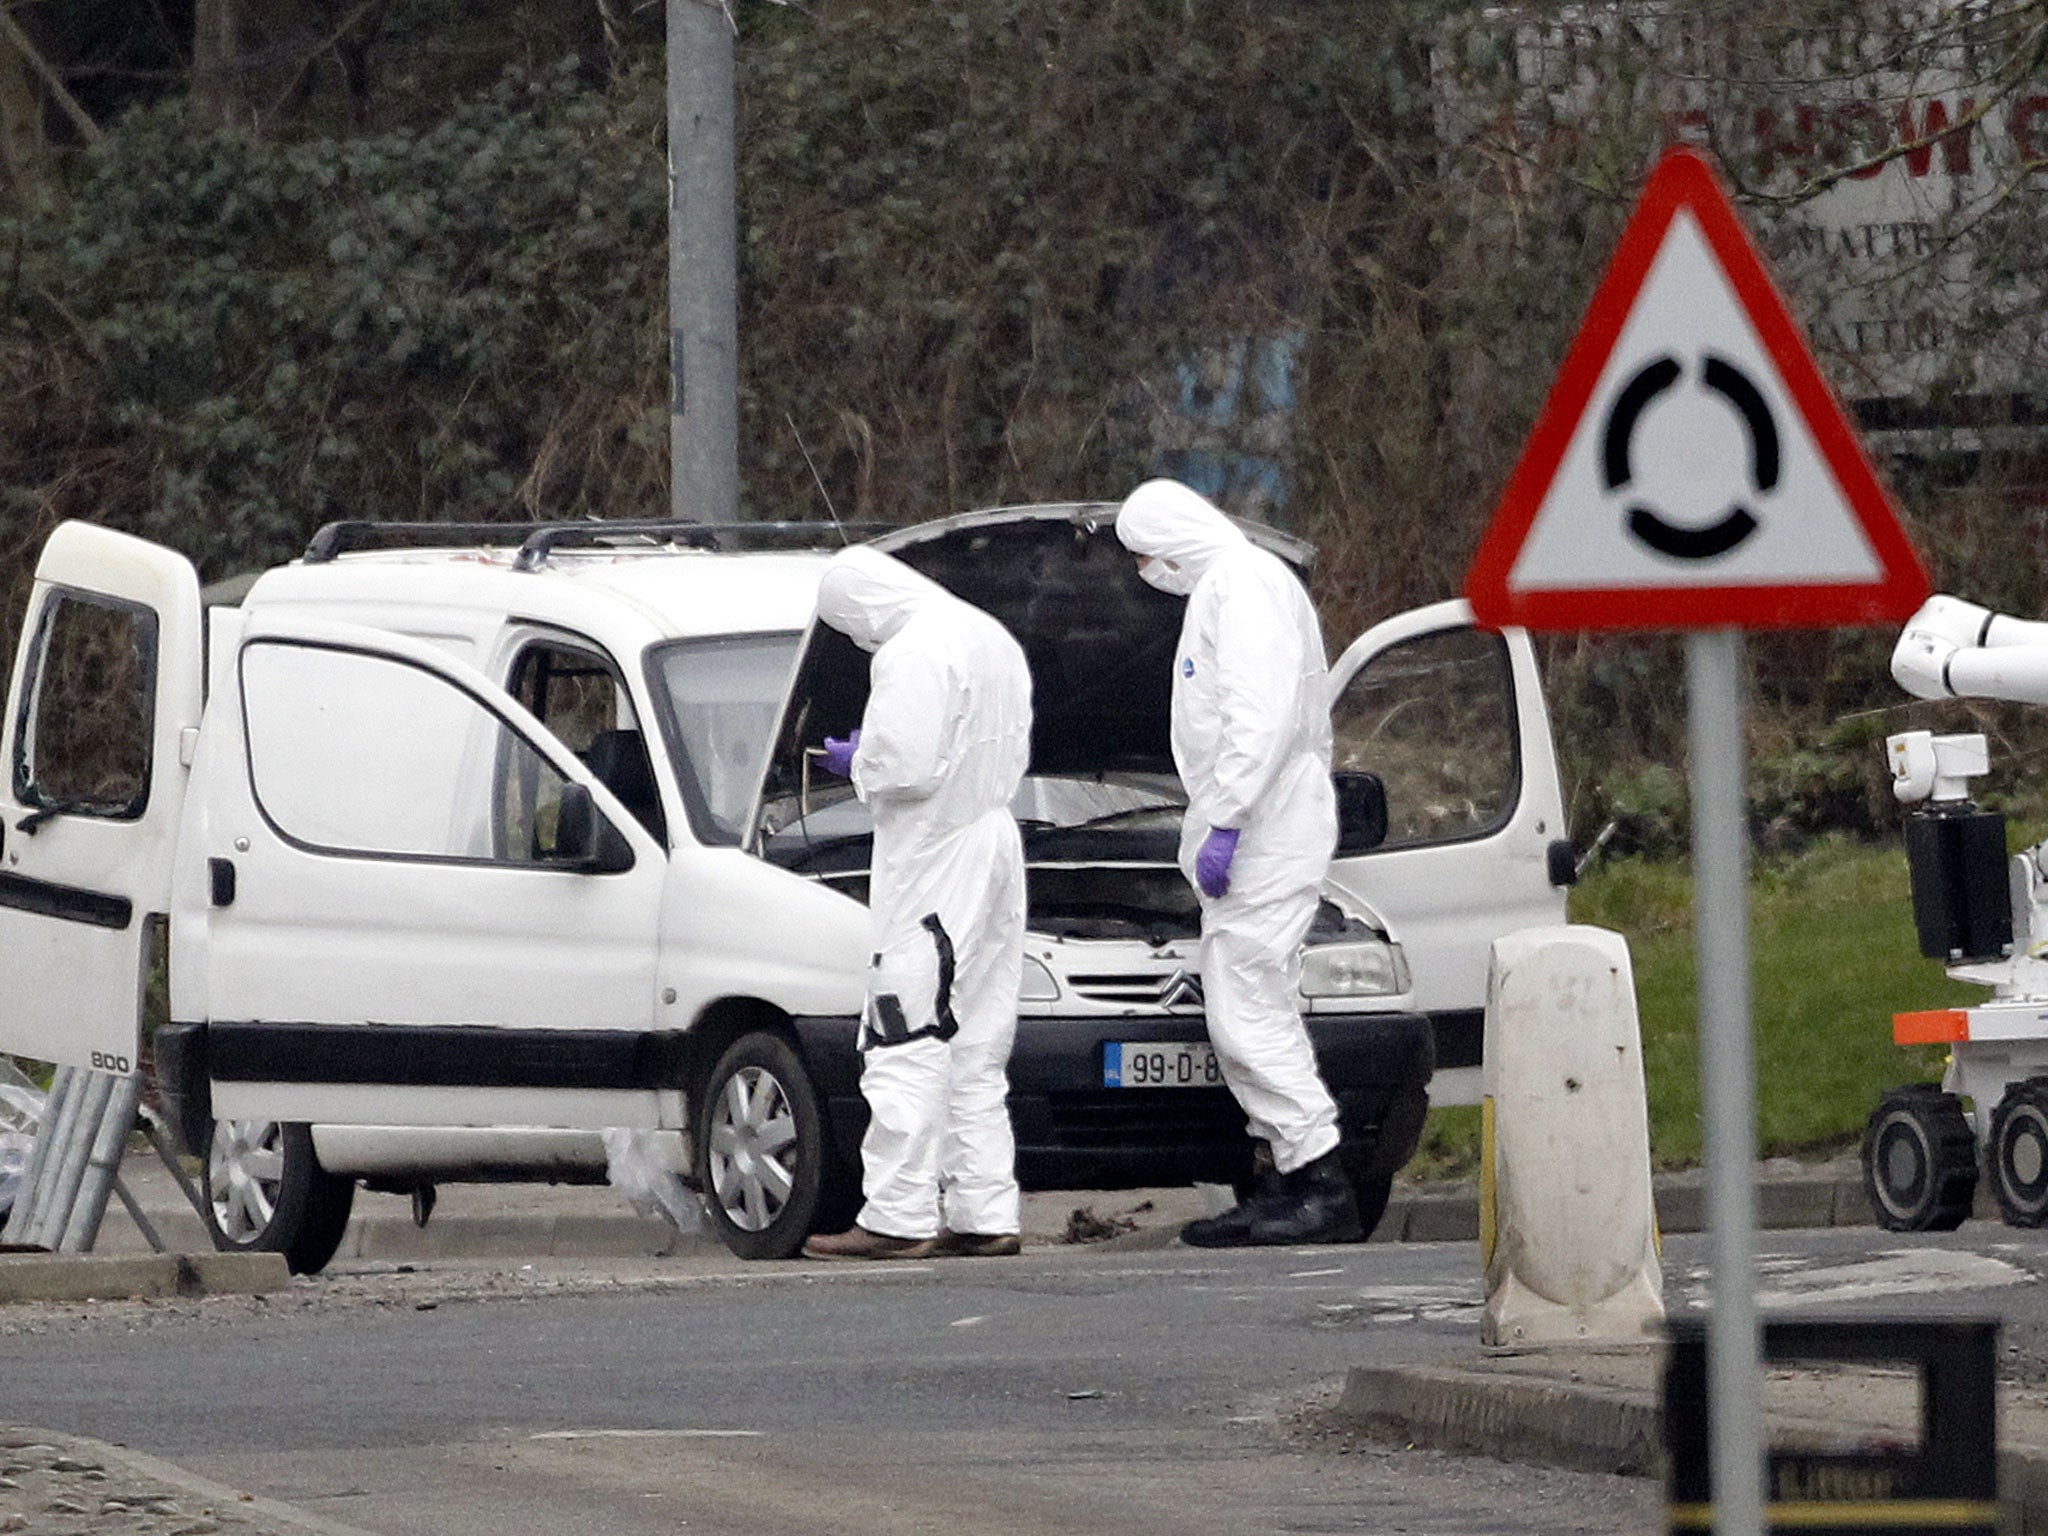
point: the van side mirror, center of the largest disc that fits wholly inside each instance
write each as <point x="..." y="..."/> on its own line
<point x="1361" y="812"/>
<point x="585" y="840"/>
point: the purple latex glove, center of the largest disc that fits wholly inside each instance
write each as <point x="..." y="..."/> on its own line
<point x="1212" y="860"/>
<point x="838" y="756"/>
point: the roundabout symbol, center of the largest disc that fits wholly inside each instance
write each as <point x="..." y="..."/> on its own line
<point x="1673" y="540"/>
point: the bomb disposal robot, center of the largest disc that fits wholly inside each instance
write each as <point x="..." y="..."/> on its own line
<point x="1987" y="918"/>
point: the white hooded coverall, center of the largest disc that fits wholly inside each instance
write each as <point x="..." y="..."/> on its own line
<point x="944" y="744"/>
<point x="1251" y="738"/>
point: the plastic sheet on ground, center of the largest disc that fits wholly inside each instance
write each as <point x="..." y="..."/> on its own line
<point x="637" y="1168"/>
<point x="21" y="1112"/>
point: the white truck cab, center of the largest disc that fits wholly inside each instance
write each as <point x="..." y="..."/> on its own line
<point x="474" y="841"/>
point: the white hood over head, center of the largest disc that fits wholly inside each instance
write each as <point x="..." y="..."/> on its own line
<point x="1178" y="527"/>
<point x="869" y="596"/>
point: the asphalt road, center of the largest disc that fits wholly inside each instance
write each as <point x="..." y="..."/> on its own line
<point x="1067" y="1391"/>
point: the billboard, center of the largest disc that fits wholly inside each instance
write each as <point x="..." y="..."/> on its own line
<point x="1892" y="156"/>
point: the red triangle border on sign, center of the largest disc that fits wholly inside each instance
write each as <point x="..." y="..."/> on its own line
<point x="1684" y="179"/>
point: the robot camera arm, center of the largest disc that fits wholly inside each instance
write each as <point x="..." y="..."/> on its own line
<point x="1954" y="649"/>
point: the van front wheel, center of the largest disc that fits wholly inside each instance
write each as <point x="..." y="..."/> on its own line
<point x="761" y="1145"/>
<point x="267" y="1193"/>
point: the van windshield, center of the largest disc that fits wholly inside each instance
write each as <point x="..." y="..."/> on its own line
<point x="719" y="698"/>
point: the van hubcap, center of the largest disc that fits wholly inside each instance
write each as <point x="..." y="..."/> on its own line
<point x="753" y="1149"/>
<point x="244" y="1167"/>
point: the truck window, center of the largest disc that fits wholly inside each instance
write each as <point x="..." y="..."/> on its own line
<point x="83" y="740"/>
<point x="361" y="754"/>
<point x="1434" y="717"/>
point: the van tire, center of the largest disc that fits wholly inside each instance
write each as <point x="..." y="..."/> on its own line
<point x="1373" y="1158"/>
<point x="840" y="1201"/>
<point x="1372" y="1188"/>
<point x="767" y="1170"/>
<point x="267" y="1193"/>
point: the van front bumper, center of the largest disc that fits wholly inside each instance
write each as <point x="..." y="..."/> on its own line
<point x="1075" y="1133"/>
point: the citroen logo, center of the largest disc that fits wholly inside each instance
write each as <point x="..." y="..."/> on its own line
<point x="1181" y="990"/>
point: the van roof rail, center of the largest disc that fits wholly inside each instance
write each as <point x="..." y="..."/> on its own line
<point x="543" y="541"/>
<point x="536" y="541"/>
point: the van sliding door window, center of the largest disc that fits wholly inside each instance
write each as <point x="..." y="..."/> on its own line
<point x="1434" y="717"/>
<point x="83" y="740"/>
<point x="356" y="753"/>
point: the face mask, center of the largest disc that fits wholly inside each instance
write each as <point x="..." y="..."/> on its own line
<point x="1166" y="576"/>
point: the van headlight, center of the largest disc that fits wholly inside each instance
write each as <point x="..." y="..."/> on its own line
<point x="1038" y="985"/>
<point x="1376" y="968"/>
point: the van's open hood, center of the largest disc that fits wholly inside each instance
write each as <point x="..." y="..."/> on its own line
<point x="1099" y="640"/>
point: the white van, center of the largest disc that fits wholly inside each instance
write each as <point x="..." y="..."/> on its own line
<point x="474" y="840"/>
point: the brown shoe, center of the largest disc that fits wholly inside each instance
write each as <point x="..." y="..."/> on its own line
<point x="978" y="1245"/>
<point x="859" y="1243"/>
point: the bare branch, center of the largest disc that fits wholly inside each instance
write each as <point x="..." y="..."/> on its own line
<point x="10" y="31"/>
<point x="2023" y="63"/>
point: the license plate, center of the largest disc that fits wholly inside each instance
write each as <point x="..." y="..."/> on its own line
<point x="1160" y="1064"/>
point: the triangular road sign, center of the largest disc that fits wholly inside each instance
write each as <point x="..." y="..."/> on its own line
<point x="1691" y="469"/>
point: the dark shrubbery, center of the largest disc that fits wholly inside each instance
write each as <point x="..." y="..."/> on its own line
<point x="224" y="342"/>
<point x="991" y="251"/>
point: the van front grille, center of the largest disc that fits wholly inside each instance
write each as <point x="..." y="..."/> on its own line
<point x="1119" y="989"/>
<point x="1175" y="991"/>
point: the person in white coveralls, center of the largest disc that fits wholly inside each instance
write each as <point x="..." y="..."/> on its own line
<point x="1251" y="738"/>
<point x="940" y="752"/>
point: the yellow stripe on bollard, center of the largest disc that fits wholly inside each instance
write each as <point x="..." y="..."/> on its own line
<point x="1487" y="1217"/>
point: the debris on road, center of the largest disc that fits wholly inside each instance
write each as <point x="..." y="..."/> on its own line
<point x="1084" y="1226"/>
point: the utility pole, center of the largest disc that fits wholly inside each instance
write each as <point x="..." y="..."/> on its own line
<point x="703" y="257"/>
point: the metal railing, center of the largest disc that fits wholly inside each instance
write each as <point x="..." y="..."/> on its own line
<point x="88" y="1121"/>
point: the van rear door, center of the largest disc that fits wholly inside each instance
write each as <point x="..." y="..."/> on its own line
<point x="102" y="713"/>
<point x="1452" y="720"/>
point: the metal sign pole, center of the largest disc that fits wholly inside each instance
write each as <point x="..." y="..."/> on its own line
<point x="1578" y="543"/>
<point x="1720" y="854"/>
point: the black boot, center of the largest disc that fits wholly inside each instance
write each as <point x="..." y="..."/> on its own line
<point x="1316" y="1206"/>
<point x="1233" y="1228"/>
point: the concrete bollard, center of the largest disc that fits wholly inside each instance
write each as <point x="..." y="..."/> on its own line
<point x="1567" y="1223"/>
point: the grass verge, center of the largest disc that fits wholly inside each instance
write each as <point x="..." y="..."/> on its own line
<point x="1833" y="957"/>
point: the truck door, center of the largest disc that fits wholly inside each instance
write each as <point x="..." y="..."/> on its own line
<point x="1452" y="719"/>
<point x="425" y="910"/>
<point x="102" y="710"/>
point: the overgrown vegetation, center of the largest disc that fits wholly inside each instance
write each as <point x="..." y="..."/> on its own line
<point x="992" y="251"/>
<point x="226" y="341"/>
<point x="1834" y="956"/>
